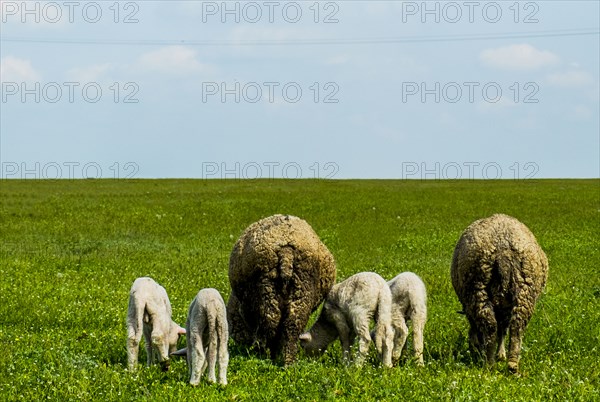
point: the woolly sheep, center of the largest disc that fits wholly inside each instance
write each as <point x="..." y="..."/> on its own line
<point x="207" y="334"/>
<point x="409" y="302"/>
<point x="347" y="313"/>
<point x="279" y="273"/>
<point x="498" y="272"/>
<point x="149" y="312"/>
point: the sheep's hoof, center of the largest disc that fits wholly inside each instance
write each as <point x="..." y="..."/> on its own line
<point x="513" y="367"/>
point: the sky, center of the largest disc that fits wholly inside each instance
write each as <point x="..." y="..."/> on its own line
<point x="304" y="89"/>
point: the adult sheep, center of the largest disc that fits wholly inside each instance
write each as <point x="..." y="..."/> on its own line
<point x="498" y="272"/>
<point x="279" y="272"/>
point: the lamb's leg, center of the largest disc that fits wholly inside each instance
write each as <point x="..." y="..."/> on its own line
<point x="400" y="335"/>
<point x="196" y="356"/>
<point x="418" y="323"/>
<point x="360" y="323"/>
<point x="223" y="359"/>
<point x="148" y="345"/>
<point x="387" y="347"/>
<point x="133" y="343"/>
<point x="212" y="356"/>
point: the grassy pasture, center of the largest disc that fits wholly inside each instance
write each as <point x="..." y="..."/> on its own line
<point x="69" y="251"/>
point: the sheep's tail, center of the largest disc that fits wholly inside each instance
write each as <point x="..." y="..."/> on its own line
<point x="286" y="264"/>
<point x="501" y="275"/>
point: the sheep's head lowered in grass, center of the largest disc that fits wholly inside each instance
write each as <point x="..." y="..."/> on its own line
<point x="316" y="341"/>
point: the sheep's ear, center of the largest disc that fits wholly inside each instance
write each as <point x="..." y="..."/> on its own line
<point x="180" y="352"/>
<point x="180" y="331"/>
<point x="306" y="337"/>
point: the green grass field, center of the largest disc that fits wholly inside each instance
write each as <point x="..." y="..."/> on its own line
<point x="70" y="250"/>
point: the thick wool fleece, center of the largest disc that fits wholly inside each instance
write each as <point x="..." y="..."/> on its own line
<point x="279" y="272"/>
<point x="498" y="272"/>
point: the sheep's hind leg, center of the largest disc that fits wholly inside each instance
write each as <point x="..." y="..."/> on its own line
<point x="400" y="335"/>
<point x="518" y="323"/>
<point x="481" y="310"/>
<point x="133" y="344"/>
<point x="418" y="323"/>
<point x="197" y="358"/>
<point x="223" y="360"/>
<point x="212" y="358"/>
<point x="291" y="328"/>
<point x="361" y="327"/>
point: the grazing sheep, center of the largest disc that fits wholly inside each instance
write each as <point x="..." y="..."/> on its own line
<point x="347" y="313"/>
<point x="409" y="302"/>
<point x="498" y="272"/>
<point x="207" y="334"/>
<point x="279" y="273"/>
<point x="149" y="313"/>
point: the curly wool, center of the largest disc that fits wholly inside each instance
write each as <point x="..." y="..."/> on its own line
<point x="279" y="272"/>
<point x="498" y="272"/>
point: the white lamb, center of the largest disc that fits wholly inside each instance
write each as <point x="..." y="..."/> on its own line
<point x="207" y="335"/>
<point x="149" y="313"/>
<point x="347" y="313"/>
<point x="409" y="302"/>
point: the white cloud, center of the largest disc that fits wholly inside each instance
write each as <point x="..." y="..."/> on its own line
<point x="520" y="57"/>
<point x="570" y="79"/>
<point x="89" y="74"/>
<point x="14" y="69"/>
<point x="173" y="59"/>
